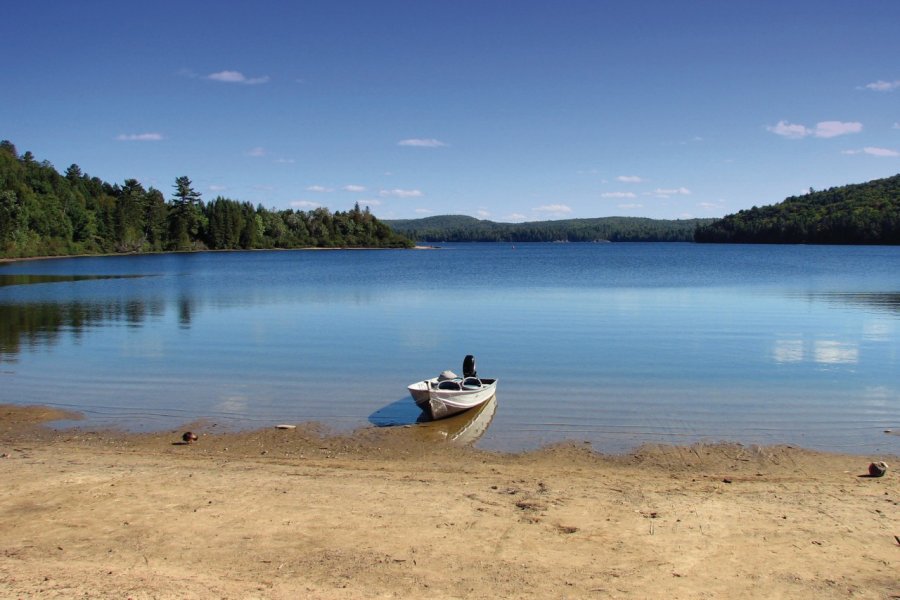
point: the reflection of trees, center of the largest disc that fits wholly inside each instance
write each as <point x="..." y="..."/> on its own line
<point x="185" y="308"/>
<point x="41" y="324"/>
<point x="880" y="301"/>
<point x="25" y="279"/>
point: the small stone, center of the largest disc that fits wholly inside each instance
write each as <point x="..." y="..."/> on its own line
<point x="877" y="469"/>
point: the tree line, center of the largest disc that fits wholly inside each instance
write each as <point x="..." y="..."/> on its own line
<point x="458" y="228"/>
<point x="45" y="213"/>
<point x="865" y="213"/>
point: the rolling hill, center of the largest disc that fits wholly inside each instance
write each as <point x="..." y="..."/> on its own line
<point x="459" y="228"/>
<point x="864" y="213"/>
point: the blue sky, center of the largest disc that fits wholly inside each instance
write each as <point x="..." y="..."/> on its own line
<point x="513" y="110"/>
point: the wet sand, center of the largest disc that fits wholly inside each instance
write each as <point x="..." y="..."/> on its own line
<point x="404" y="513"/>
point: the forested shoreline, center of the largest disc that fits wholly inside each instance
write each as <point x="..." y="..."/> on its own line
<point x="460" y="228"/>
<point x="45" y="213"/>
<point x="864" y="213"/>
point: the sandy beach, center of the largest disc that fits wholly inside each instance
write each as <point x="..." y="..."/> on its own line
<point x="384" y="513"/>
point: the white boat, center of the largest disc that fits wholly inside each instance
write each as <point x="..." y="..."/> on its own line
<point x="447" y="394"/>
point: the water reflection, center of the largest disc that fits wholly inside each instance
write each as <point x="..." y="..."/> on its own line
<point x="41" y="324"/>
<point x="823" y="352"/>
<point x="465" y="428"/>
<point x="185" y="310"/>
<point x="788" y="351"/>
<point x="879" y="301"/>
<point x="24" y="279"/>
<point x="832" y="352"/>
<point x="877" y="332"/>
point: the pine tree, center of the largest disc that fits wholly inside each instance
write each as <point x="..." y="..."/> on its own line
<point x="184" y="216"/>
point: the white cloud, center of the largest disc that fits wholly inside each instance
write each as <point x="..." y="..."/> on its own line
<point x="319" y="189"/>
<point x="217" y="188"/>
<point x="618" y="195"/>
<point x="828" y="129"/>
<point x="483" y="214"/>
<point x="422" y="143"/>
<point x="710" y="205"/>
<point x="400" y="193"/>
<point x="897" y="125"/>
<point x="629" y="179"/>
<point x="556" y="209"/>
<point x="285" y="161"/>
<point x="139" y="137"/>
<point x="874" y="151"/>
<point x="423" y="211"/>
<point x="629" y="206"/>
<point x="354" y="188"/>
<point x="789" y="130"/>
<point x="665" y="193"/>
<point x="823" y="129"/>
<point x="305" y="204"/>
<point x="257" y="151"/>
<point x="515" y="217"/>
<point x="883" y="86"/>
<point x="237" y="77"/>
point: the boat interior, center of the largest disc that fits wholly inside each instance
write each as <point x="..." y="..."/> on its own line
<point x="469" y="383"/>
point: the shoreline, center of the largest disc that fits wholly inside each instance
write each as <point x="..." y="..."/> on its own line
<point x="6" y="260"/>
<point x="380" y="512"/>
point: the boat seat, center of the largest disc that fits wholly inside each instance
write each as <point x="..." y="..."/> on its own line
<point x="471" y="383"/>
<point x="449" y="385"/>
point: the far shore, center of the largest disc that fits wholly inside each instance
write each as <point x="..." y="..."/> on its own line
<point x="385" y="513"/>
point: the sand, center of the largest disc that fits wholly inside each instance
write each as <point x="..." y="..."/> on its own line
<point x="384" y="513"/>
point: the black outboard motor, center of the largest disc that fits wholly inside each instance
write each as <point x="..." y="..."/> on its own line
<point x="469" y="366"/>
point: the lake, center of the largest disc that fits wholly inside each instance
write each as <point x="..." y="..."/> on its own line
<point x="611" y="344"/>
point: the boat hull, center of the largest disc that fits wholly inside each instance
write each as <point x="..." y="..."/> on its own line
<point x="442" y="403"/>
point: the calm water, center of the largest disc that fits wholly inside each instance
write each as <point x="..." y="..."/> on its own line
<point x="615" y="344"/>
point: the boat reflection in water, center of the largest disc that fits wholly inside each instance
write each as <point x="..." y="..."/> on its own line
<point x="465" y="428"/>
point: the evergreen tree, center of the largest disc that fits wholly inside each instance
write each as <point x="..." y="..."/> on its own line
<point x="129" y="217"/>
<point x="184" y="218"/>
<point x="155" y="215"/>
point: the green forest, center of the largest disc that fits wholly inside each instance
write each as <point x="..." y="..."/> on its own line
<point x="865" y="213"/>
<point x="44" y="213"/>
<point x="458" y="228"/>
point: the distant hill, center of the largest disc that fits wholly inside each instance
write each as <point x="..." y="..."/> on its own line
<point x="864" y="213"/>
<point x="459" y="228"/>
